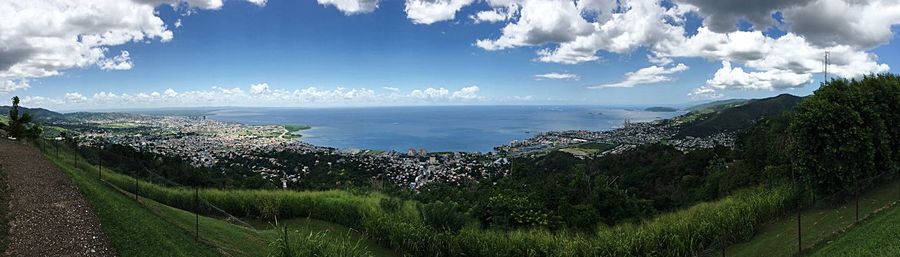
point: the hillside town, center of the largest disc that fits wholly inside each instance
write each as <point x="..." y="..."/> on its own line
<point x="206" y="142"/>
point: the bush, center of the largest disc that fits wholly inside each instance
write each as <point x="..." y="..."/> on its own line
<point x="390" y="204"/>
<point x="438" y="228"/>
<point x="442" y="216"/>
<point x="316" y="244"/>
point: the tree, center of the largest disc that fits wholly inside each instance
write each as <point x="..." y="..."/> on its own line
<point x="20" y="125"/>
<point x="847" y="132"/>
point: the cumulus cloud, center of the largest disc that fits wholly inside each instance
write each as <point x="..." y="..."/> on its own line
<point x="236" y="96"/>
<point x="572" y="32"/>
<point x="861" y="24"/>
<point x="350" y="7"/>
<point x="541" y="22"/>
<point x="557" y="76"/>
<point x="259" y="88"/>
<point x="75" y="97"/>
<point x="41" y="38"/>
<point x="737" y="78"/>
<point x="431" y="11"/>
<point x="648" y="75"/>
<point x="495" y="15"/>
<point x="119" y="62"/>
<point x="259" y="3"/>
<point x="723" y="15"/>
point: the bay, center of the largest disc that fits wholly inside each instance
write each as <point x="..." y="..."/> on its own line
<point x="435" y="128"/>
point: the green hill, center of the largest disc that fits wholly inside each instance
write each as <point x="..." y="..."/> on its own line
<point x="736" y="118"/>
<point x="660" y="109"/>
<point x="717" y="105"/>
<point x="40" y="115"/>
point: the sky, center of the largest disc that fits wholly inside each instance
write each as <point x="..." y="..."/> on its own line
<point x="113" y="54"/>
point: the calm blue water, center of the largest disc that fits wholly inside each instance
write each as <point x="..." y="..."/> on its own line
<point x="444" y="128"/>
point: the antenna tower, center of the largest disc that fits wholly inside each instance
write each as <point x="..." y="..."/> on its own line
<point x="826" y="65"/>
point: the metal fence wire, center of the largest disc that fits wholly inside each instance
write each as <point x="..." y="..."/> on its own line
<point x="137" y="190"/>
<point x="815" y="221"/>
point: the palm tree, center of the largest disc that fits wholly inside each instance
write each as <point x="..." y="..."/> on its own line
<point x="18" y="126"/>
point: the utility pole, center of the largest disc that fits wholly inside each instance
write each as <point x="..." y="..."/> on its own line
<point x="826" y="65"/>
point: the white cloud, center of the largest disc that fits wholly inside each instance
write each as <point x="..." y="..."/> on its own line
<point x="41" y="38"/>
<point x="177" y="23"/>
<point x="571" y="33"/>
<point x="259" y="88"/>
<point x="350" y="7"/>
<point x="169" y="93"/>
<point x="860" y="24"/>
<point x="219" y="96"/>
<point x="728" y="78"/>
<point x="431" y="11"/>
<point x="541" y="22"/>
<point x="392" y="89"/>
<point x="119" y="62"/>
<point x="75" y="97"/>
<point x="648" y="75"/>
<point x="642" y="23"/>
<point x="259" y="3"/>
<point x="7" y="86"/>
<point x="557" y="76"/>
<point x="495" y="15"/>
<point x="467" y="93"/>
<point x="723" y="15"/>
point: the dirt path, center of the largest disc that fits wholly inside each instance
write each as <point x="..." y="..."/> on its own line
<point x="50" y="216"/>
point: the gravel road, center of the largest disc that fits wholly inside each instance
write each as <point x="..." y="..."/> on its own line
<point x="50" y="216"/>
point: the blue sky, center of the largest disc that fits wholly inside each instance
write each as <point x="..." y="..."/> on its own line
<point x="386" y="55"/>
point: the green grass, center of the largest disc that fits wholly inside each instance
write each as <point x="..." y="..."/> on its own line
<point x="294" y="128"/>
<point x="779" y="238"/>
<point x="878" y="236"/>
<point x="5" y="215"/>
<point x="132" y="229"/>
<point x="117" y="125"/>
<point x="680" y="233"/>
<point x="149" y="228"/>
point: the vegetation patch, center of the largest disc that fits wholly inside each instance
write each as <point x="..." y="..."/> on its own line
<point x="151" y="228"/>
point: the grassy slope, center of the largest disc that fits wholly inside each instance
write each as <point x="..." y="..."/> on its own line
<point x="133" y="230"/>
<point x="119" y="213"/>
<point x="878" y="236"/>
<point x="780" y="237"/>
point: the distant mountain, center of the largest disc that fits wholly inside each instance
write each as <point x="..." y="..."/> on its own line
<point x="739" y="117"/>
<point x="39" y="115"/>
<point x="660" y="109"/>
<point x="717" y="105"/>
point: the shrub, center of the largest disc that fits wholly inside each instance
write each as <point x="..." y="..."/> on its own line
<point x="390" y="204"/>
<point x="443" y="216"/>
<point x="316" y="244"/>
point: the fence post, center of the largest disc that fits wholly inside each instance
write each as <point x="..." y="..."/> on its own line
<point x="722" y="242"/>
<point x="799" y="224"/>
<point x="857" y="205"/>
<point x="287" y="244"/>
<point x="197" y="212"/>
<point x="135" y="186"/>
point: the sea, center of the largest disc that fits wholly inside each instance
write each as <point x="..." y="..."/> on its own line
<point x="435" y="128"/>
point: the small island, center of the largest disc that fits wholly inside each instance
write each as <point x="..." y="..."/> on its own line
<point x="660" y="109"/>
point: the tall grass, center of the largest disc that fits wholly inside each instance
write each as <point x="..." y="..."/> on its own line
<point x="680" y="233"/>
<point x="316" y="244"/>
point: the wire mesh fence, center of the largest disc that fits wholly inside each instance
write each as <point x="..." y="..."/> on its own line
<point x="146" y="188"/>
<point x="815" y="221"/>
